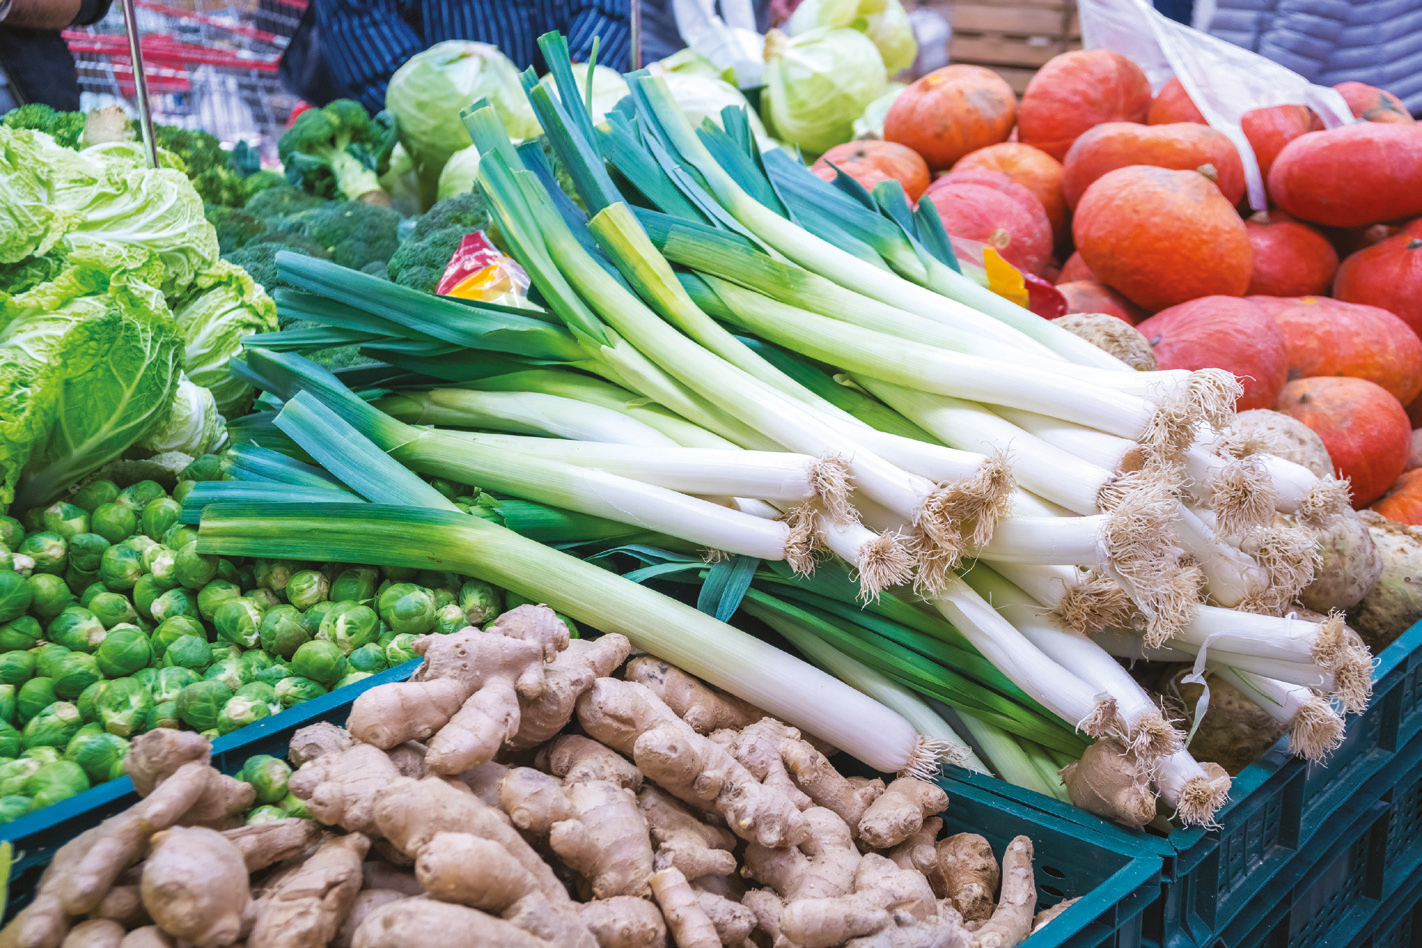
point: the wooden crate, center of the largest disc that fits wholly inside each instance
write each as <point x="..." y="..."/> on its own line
<point x="1014" y="39"/>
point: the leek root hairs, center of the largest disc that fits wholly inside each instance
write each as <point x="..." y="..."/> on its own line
<point x="1243" y="496"/>
<point x="1196" y="790"/>
<point x="1213" y="393"/>
<point x="963" y="514"/>
<point x="1290" y="557"/>
<point x="1208" y="398"/>
<point x="1153" y="738"/>
<point x="1326" y="502"/>
<point x="1315" y="731"/>
<point x="804" y="540"/>
<point x="1104" y="718"/>
<point x="1330" y="644"/>
<point x="1094" y="604"/>
<point x="883" y="562"/>
<point x="928" y="757"/>
<point x="830" y="478"/>
<point x="1141" y="554"/>
<point x="1353" y="675"/>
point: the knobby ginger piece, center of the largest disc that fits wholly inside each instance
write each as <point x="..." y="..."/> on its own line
<point x="308" y="907"/>
<point x="149" y="936"/>
<point x="691" y="699"/>
<point x="899" y="812"/>
<point x="339" y="788"/>
<point x="318" y="740"/>
<point x="566" y="677"/>
<point x="732" y="920"/>
<point x="777" y="754"/>
<point x="195" y="886"/>
<point x="879" y="886"/>
<point x="43" y="923"/>
<point x="156" y="756"/>
<point x="123" y="904"/>
<point x="266" y="844"/>
<point x="920" y="851"/>
<point x="422" y="923"/>
<point x="686" y="919"/>
<point x="577" y="759"/>
<point x="1047" y="914"/>
<point x="1107" y="781"/>
<point x="366" y="901"/>
<point x="823" y="865"/>
<point x="965" y="871"/>
<point x="624" y="922"/>
<point x="1011" y="923"/>
<point x="95" y="933"/>
<point x="684" y="842"/>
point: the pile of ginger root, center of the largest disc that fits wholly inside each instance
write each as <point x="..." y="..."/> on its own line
<point x="525" y="790"/>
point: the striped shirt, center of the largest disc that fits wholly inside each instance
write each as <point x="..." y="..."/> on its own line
<point x="365" y="41"/>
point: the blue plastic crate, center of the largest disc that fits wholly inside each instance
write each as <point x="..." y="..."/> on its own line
<point x="35" y="837"/>
<point x="1396" y="924"/>
<point x="1402" y="788"/>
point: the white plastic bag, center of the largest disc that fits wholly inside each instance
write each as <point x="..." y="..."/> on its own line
<point x="729" y="40"/>
<point x="1223" y="80"/>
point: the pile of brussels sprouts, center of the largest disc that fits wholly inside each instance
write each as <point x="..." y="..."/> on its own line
<point x="112" y="623"/>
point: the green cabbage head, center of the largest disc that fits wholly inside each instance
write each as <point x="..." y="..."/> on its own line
<point x="818" y="83"/>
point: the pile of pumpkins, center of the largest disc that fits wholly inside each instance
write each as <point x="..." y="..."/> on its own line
<point x="1132" y="205"/>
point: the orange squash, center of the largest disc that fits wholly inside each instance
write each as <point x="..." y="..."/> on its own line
<point x="1183" y="146"/>
<point x="1030" y="167"/>
<point x="1331" y="337"/>
<point x="1389" y="275"/>
<point x="1351" y="176"/>
<point x="1173" y="104"/>
<point x="950" y="112"/>
<point x="1403" y="500"/>
<point x="1363" y="427"/>
<point x="1077" y="90"/>
<point x="1290" y="258"/>
<point x="870" y="162"/>
<point x="1075" y="269"/>
<point x="1372" y="104"/>
<point x="1269" y="130"/>
<point x="1088" y="296"/>
<point x="998" y="216"/>
<point x="1162" y="237"/>
<point x="1224" y="333"/>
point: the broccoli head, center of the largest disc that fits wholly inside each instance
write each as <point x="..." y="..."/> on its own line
<point x="353" y="233"/>
<point x="338" y="150"/>
<point x="275" y="205"/>
<point x="235" y="227"/>
<point x="260" y="181"/>
<point x="421" y="260"/>
<point x="467" y="212"/>
<point x="209" y="165"/>
<point x="258" y="257"/>
<point x="66" y="128"/>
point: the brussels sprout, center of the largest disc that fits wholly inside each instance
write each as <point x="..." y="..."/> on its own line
<point x="171" y="629"/>
<point x="444" y="597"/>
<point x="406" y="607"/>
<point x="223" y="650"/>
<point x="15" y="596"/>
<point x="120" y="567"/>
<point x="44" y="754"/>
<point x="88" y="702"/>
<point x="267" y="775"/>
<point x="238" y="621"/>
<point x="14" y="774"/>
<point x="230" y="671"/>
<point x="263" y="599"/>
<point x="357" y="582"/>
<point x="368" y="658"/>
<point x="76" y="672"/>
<point x="139" y="544"/>
<point x="48" y="550"/>
<point x="174" y="602"/>
<point x="319" y="660"/>
<point x="76" y="628"/>
<point x="294" y="690"/>
<point x="33" y="697"/>
<point x="237" y="713"/>
<point x="213" y="594"/>
<point x="449" y="619"/>
<point x="145" y="593"/>
<point x="20" y="633"/>
<point x="170" y="681"/>
<point x="86" y="551"/>
<point x="7" y="703"/>
<point x="266" y="814"/>
<point x="47" y="656"/>
<point x="264" y="691"/>
<point x="15" y="563"/>
<point x="113" y="522"/>
<point x="95" y="494"/>
<point x="195" y="570"/>
<point x="125" y="707"/>
<point x="178" y="536"/>
<point x="55" y="782"/>
<point x="205" y="468"/>
<point x="111" y="609"/>
<point x="124" y="652"/>
<point x="480" y="601"/>
<point x="256" y="660"/>
<point x="188" y="651"/>
<point x="137" y="496"/>
<point x="90" y="591"/>
<point x="293" y="805"/>
<point x="50" y="595"/>
<point x="270" y="676"/>
<point x="85" y="729"/>
<point x="53" y="726"/>
<point x="11" y="740"/>
<point x="282" y="631"/>
<point x="227" y="570"/>
<point x="400" y="650"/>
<point x="162" y="565"/>
<point x="314" y="616"/>
<point x="11" y="531"/>
<point x="200" y="704"/>
<point x="182" y="489"/>
<point x="100" y="756"/>
<point x="165" y="714"/>
<point x="350" y="678"/>
<point x="66" y="519"/>
<point x="147" y="677"/>
<point x="350" y="627"/>
<point x="306" y="588"/>
<point x="274" y="574"/>
<point x="13" y="807"/>
<point x="16" y="668"/>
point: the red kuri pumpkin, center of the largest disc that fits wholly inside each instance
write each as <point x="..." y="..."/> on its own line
<point x="1030" y="167"/>
<point x="1269" y="130"/>
<point x="870" y="162"/>
<point x="1363" y="427"/>
<point x="1331" y="337"/>
<point x="1075" y="269"/>
<point x="1173" y="104"/>
<point x="1351" y="176"/>
<point x="1183" y="146"/>
<point x="1389" y="275"/>
<point x="996" y="216"/>
<point x="1088" y="296"/>
<point x="1222" y="332"/>
<point x="1372" y="104"/>
<point x="1077" y="90"/>
<point x="1162" y="237"/>
<point x="1403" y="500"/>
<point x="950" y="112"/>
<point x="1290" y="258"/>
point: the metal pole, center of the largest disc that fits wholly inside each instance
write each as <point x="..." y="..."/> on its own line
<point x="636" y="6"/>
<point x="140" y="84"/>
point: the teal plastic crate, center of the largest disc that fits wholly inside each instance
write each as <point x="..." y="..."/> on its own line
<point x="36" y="836"/>
<point x="1396" y="924"/>
<point x="1277" y="807"/>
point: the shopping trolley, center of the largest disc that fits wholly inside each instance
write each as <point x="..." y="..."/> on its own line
<point x="209" y="64"/>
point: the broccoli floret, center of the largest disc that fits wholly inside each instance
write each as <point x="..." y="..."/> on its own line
<point x="275" y="205"/>
<point x="421" y="261"/>
<point x="263" y="180"/>
<point x="65" y="127"/>
<point x="338" y="150"/>
<point x="377" y="268"/>
<point x="466" y="212"/>
<point x="235" y="227"/>
<point x="352" y="232"/>
<point x="209" y="165"/>
<point x="258" y="257"/>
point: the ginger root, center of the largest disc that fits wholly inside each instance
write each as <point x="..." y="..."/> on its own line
<point x="1108" y="782"/>
<point x="266" y="844"/>
<point x="1012" y="922"/>
<point x="882" y="895"/>
<point x="339" y="788"/>
<point x="123" y="904"/>
<point x="195" y="886"/>
<point x="689" y="699"/>
<point x="782" y="759"/>
<point x="423" y="923"/>
<point x="688" y="922"/>
<point x="307" y="908"/>
<point x="920" y="851"/>
<point x="578" y="759"/>
<point x="899" y="812"/>
<point x="822" y="866"/>
<point x="624" y="922"/>
<point x="684" y="842"/>
<point x="965" y="871"/>
<point x="94" y="933"/>
<point x="566" y="677"/>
